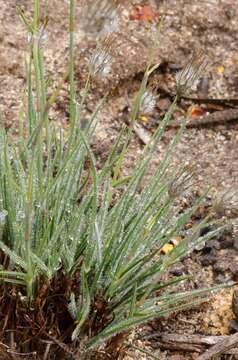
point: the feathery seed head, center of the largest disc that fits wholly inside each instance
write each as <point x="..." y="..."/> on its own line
<point x="226" y="203"/>
<point x="100" y="17"/>
<point x="183" y="181"/>
<point x="148" y="102"/>
<point x="102" y="58"/>
<point x="190" y="74"/>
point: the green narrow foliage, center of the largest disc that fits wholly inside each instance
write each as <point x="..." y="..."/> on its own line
<point x="83" y="310"/>
<point x="31" y="111"/>
<point x="162" y="307"/>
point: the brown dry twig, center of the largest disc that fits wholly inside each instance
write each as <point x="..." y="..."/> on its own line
<point x="233" y="103"/>
<point x="220" y="348"/>
<point x="195" y="343"/>
<point x="217" y="117"/>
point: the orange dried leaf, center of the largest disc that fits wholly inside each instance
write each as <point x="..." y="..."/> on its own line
<point x="189" y="225"/>
<point x="195" y="111"/>
<point x="142" y="12"/>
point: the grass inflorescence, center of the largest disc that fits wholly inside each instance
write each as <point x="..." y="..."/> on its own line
<point x="77" y="268"/>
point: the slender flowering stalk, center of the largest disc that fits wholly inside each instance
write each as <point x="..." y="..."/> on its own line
<point x="72" y="110"/>
<point x="189" y="75"/>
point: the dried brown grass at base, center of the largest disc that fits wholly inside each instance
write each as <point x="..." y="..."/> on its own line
<point x="29" y="327"/>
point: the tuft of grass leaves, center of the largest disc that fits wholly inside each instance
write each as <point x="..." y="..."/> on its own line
<point x="62" y="236"/>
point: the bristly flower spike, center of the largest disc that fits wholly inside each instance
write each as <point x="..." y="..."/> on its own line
<point x="183" y="181"/>
<point x="190" y="74"/>
<point x="226" y="203"/>
<point x="112" y="22"/>
<point x="148" y="102"/>
<point x="101" y="60"/>
<point x="100" y="17"/>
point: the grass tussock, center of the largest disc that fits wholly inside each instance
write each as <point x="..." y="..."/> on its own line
<point x="79" y="269"/>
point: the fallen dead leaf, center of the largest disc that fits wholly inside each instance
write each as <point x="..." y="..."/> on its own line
<point x="195" y="111"/>
<point x="142" y="13"/>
